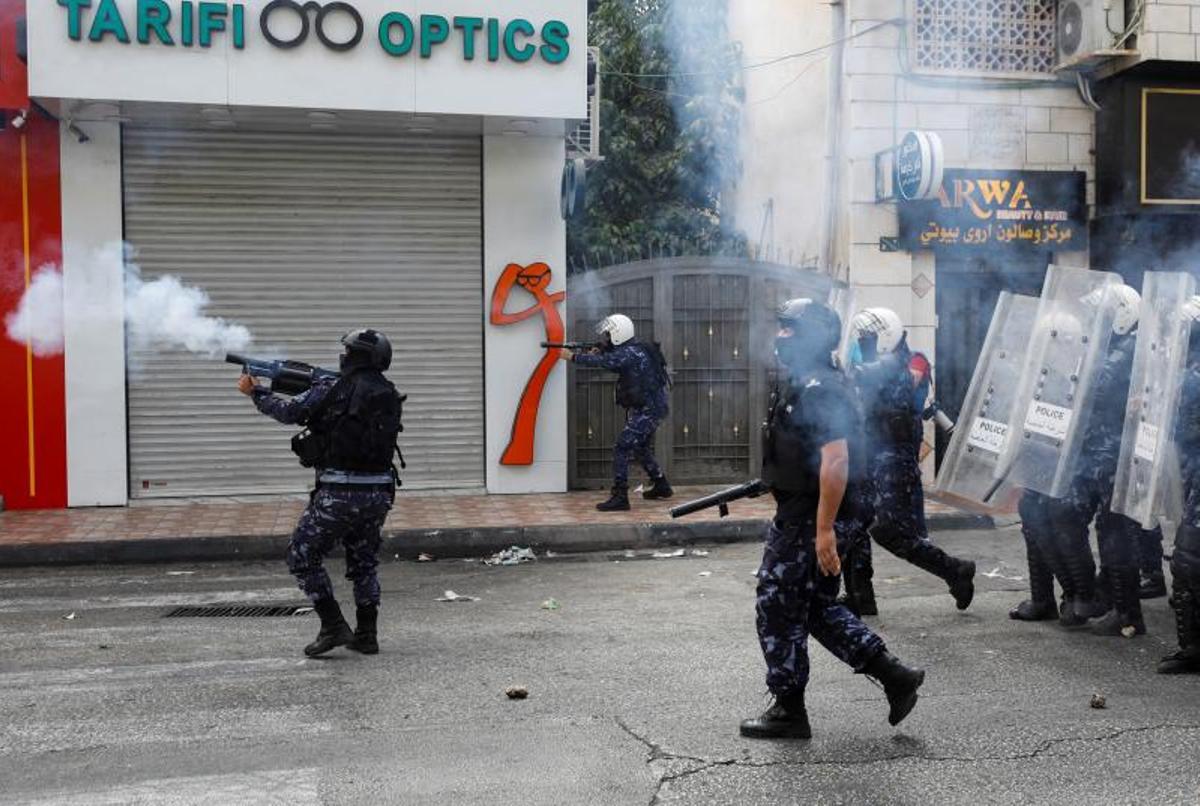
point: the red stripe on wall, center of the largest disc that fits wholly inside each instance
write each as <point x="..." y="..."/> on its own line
<point x="33" y="454"/>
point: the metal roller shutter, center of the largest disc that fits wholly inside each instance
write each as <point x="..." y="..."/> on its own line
<point x="301" y="236"/>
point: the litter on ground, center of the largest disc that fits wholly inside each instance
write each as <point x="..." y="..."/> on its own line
<point x="514" y="555"/>
<point x="451" y="596"/>
<point x="667" y="555"/>
<point x="551" y="604"/>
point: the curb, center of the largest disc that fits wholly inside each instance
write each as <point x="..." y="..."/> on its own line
<point x="408" y="543"/>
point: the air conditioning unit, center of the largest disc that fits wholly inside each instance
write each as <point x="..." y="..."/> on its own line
<point x="583" y="142"/>
<point x="1087" y="29"/>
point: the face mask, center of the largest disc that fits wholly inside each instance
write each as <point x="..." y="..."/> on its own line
<point x="344" y="362"/>
<point x="856" y="356"/>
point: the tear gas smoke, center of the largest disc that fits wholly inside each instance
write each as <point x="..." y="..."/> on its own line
<point x="160" y="314"/>
<point x="38" y="319"/>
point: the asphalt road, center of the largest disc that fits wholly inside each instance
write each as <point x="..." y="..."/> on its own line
<point x="636" y="685"/>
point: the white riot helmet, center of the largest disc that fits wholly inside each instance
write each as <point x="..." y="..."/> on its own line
<point x="1129" y="308"/>
<point x="883" y="323"/>
<point x="1061" y="325"/>
<point x="1191" y="310"/>
<point x="619" y="328"/>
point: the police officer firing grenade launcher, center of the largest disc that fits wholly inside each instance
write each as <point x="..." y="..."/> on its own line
<point x="643" y="386"/>
<point x="351" y="421"/>
<point x="893" y="384"/>
<point x="811" y="455"/>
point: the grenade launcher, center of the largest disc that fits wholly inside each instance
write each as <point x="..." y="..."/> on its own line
<point x="287" y="377"/>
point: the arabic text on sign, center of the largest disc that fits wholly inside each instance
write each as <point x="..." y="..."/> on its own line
<point x="1146" y="445"/>
<point x="988" y="435"/>
<point x="1048" y="420"/>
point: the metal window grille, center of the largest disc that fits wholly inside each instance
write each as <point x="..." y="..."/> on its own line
<point x="985" y="36"/>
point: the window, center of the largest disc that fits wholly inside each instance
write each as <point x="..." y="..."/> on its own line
<point x="985" y="36"/>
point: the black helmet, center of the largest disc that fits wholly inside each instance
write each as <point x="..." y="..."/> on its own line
<point x="368" y="348"/>
<point x="816" y="330"/>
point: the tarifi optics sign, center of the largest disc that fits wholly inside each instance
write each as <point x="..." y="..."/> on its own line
<point x="336" y="25"/>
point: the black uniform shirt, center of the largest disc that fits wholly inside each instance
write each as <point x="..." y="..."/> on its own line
<point x="818" y="408"/>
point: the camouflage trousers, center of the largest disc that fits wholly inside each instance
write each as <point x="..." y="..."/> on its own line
<point x="900" y="518"/>
<point x="795" y="600"/>
<point x="352" y="519"/>
<point x="636" y="441"/>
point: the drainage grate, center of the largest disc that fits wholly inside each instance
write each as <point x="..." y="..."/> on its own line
<point x="237" y="611"/>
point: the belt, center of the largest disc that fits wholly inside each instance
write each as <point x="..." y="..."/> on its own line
<point x="356" y="488"/>
<point x="354" y="479"/>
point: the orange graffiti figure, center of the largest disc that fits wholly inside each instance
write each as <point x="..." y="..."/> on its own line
<point x="535" y="279"/>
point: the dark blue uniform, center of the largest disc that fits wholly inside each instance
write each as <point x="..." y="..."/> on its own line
<point x="795" y="599"/>
<point x="892" y="417"/>
<point x="1090" y="497"/>
<point x="336" y="514"/>
<point x="1185" y="559"/>
<point x="642" y="378"/>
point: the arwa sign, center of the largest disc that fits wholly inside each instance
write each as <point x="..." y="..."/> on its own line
<point x="449" y="56"/>
<point x="979" y="209"/>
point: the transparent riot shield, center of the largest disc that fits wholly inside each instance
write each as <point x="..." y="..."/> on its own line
<point x="968" y="468"/>
<point x="1147" y="463"/>
<point x="1067" y="347"/>
<point x="841" y="299"/>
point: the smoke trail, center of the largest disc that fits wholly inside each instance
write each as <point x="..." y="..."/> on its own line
<point x="160" y="314"/>
<point x="165" y="313"/>
<point x="38" y="319"/>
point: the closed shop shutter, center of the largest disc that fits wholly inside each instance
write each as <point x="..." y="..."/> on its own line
<point x="302" y="237"/>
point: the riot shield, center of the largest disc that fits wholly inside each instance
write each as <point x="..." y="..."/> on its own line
<point x="1144" y="471"/>
<point x="968" y="467"/>
<point x="1067" y="347"/>
<point x="841" y="299"/>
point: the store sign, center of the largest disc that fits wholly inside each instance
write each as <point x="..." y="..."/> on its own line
<point x="520" y="59"/>
<point x="919" y="164"/>
<point x="979" y="210"/>
<point x="337" y="25"/>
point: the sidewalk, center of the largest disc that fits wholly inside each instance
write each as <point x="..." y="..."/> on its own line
<point x="442" y="525"/>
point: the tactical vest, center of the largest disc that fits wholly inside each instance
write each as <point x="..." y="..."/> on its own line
<point x="354" y="428"/>
<point x="636" y="390"/>
<point x="889" y="401"/>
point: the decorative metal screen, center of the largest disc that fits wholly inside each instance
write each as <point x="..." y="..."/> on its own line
<point x="985" y="36"/>
<point x="711" y="401"/>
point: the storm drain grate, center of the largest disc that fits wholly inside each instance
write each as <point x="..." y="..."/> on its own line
<point x="237" y="611"/>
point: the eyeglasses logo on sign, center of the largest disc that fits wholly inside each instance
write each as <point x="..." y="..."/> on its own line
<point x="339" y="26"/>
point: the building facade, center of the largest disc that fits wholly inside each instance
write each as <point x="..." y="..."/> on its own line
<point x="1038" y="106"/>
<point x="311" y="169"/>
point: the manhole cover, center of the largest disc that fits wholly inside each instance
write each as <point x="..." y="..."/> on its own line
<point x="238" y="611"/>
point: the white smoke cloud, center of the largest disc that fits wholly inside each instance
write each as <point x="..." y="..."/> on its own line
<point x="161" y="314"/>
<point x="38" y="319"/>
<point x="164" y="313"/>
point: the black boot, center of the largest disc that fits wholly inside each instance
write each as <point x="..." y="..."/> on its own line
<point x="785" y="719"/>
<point x="1187" y="626"/>
<point x="1152" y="585"/>
<point x="1126" y="611"/>
<point x="1040" y="605"/>
<point x="617" y="502"/>
<point x="365" y="638"/>
<point x="334" y="632"/>
<point x="961" y="580"/>
<point x="1104" y="600"/>
<point x="660" y="489"/>
<point x="900" y="684"/>
<point x="1079" y="600"/>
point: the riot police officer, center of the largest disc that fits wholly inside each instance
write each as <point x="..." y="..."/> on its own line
<point x="642" y="390"/>
<point x="350" y="439"/>
<point x="892" y="384"/>
<point x="1090" y="497"/>
<point x="1185" y="560"/>
<point x="807" y="464"/>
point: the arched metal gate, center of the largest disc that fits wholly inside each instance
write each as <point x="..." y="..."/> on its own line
<point x="714" y="318"/>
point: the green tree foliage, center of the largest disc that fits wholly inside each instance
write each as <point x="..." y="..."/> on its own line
<point x="671" y="101"/>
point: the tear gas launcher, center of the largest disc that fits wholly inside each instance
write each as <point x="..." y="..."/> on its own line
<point x="575" y="346"/>
<point x="287" y="377"/>
<point x="940" y="419"/>
<point x="722" y="499"/>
